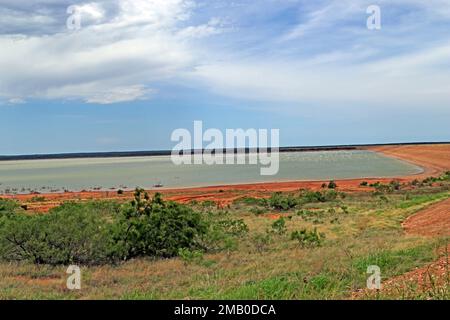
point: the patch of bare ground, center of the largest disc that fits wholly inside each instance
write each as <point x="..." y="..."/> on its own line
<point x="432" y="221"/>
<point x="435" y="159"/>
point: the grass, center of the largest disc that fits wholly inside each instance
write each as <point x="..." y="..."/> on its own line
<point x="361" y="230"/>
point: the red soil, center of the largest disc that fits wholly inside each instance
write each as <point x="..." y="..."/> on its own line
<point x="433" y="221"/>
<point x="435" y="159"/>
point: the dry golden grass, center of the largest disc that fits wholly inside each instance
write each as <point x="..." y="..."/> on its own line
<point x="360" y="229"/>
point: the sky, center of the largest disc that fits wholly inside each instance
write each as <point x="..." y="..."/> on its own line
<point x="136" y="70"/>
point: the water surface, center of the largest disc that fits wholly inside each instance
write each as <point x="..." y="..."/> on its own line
<point x="106" y="173"/>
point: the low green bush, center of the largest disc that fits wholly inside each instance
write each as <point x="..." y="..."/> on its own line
<point x="332" y="185"/>
<point x="157" y="228"/>
<point x="71" y="234"/>
<point x="8" y="208"/>
<point x="102" y="232"/>
<point x="279" y="226"/>
<point x="282" y="202"/>
<point x="308" y="238"/>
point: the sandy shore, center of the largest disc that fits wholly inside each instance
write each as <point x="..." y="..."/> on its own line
<point x="434" y="159"/>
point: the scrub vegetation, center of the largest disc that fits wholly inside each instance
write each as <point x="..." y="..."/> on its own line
<point x="292" y="245"/>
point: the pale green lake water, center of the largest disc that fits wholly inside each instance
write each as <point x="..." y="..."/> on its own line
<point x="105" y="173"/>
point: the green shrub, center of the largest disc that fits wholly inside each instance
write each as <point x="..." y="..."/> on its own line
<point x="223" y="233"/>
<point x="8" y="208"/>
<point x="257" y="211"/>
<point x="101" y="232"/>
<point x="282" y="202"/>
<point x="279" y="226"/>
<point x="332" y="185"/>
<point x="311" y="196"/>
<point x="190" y="256"/>
<point x="386" y="188"/>
<point x="395" y="185"/>
<point x="252" y="201"/>
<point x="308" y="238"/>
<point x="71" y="234"/>
<point x="364" y="184"/>
<point x="157" y="228"/>
<point x="261" y="241"/>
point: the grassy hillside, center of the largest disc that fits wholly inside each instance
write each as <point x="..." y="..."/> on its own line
<point x="300" y="245"/>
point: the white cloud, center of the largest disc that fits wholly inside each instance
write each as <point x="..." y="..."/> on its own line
<point x="105" y="62"/>
<point x="407" y="81"/>
<point x="125" y="46"/>
<point x="16" y="101"/>
<point x="214" y="26"/>
<point x="100" y="94"/>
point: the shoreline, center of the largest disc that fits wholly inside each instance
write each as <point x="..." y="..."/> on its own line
<point x="434" y="159"/>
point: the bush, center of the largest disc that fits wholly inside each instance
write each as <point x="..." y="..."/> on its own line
<point x="364" y="184"/>
<point x="261" y="241"/>
<point x="188" y="256"/>
<point x="395" y="185"/>
<point x="308" y="238"/>
<point x="257" y="211"/>
<point x="70" y="234"/>
<point x="332" y="185"/>
<point x="8" y="208"/>
<point x="252" y="201"/>
<point x="311" y="196"/>
<point x="279" y="226"/>
<point x="282" y="202"/>
<point x="157" y="228"/>
<point x="222" y="234"/>
<point x="101" y="232"/>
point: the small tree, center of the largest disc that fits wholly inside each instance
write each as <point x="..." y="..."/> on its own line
<point x="158" y="228"/>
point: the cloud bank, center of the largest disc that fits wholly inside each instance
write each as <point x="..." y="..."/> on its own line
<point x="282" y="51"/>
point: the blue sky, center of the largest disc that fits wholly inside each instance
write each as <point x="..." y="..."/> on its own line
<point x="137" y="70"/>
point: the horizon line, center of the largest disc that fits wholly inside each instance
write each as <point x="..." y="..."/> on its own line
<point x="119" y="154"/>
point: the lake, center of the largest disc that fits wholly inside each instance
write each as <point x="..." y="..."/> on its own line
<point x="105" y="173"/>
